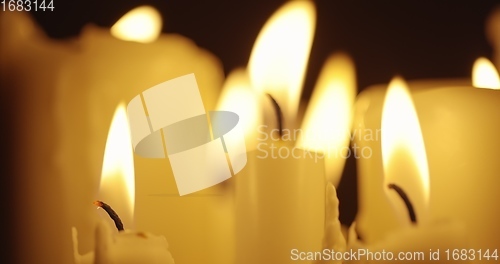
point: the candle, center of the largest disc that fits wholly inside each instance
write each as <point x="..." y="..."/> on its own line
<point x="117" y="185"/>
<point x="125" y="247"/>
<point x="453" y="160"/>
<point x="279" y="205"/>
<point x="105" y="71"/>
<point x="448" y="122"/>
<point x="376" y="215"/>
<point x="420" y="237"/>
<point x="279" y="196"/>
<point x="27" y="65"/>
<point x="169" y="120"/>
<point x="69" y="99"/>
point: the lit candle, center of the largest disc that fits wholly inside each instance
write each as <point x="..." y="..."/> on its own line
<point x="279" y="196"/>
<point x="375" y="214"/>
<point x="158" y="205"/>
<point x="117" y="185"/>
<point x="66" y="92"/>
<point x="407" y="186"/>
<point x="451" y="113"/>
<point x="104" y="71"/>
<point x="169" y="120"/>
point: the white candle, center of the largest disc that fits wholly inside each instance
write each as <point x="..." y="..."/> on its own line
<point x="125" y="247"/>
<point x="279" y="196"/>
<point x="279" y="205"/>
<point x="28" y="65"/>
<point x="69" y="99"/>
<point x="405" y="168"/>
<point x="103" y="72"/>
<point x="451" y="112"/>
<point x="376" y="215"/>
<point x="118" y="188"/>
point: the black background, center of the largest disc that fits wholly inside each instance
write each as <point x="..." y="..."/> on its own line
<point x="418" y="39"/>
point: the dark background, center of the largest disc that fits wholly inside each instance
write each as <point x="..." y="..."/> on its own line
<point x="417" y="39"/>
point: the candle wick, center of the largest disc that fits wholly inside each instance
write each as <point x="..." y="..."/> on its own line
<point x="279" y="114"/>
<point x="112" y="214"/>
<point x="406" y="200"/>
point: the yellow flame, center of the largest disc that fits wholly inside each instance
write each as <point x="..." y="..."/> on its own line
<point x="117" y="179"/>
<point x="142" y="24"/>
<point x="279" y="57"/>
<point x="327" y="122"/>
<point x="403" y="150"/>
<point x="239" y="97"/>
<point x="485" y="75"/>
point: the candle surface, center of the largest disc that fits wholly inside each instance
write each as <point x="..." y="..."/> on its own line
<point x="125" y="247"/>
<point x="456" y="124"/>
<point x="279" y="204"/>
<point x="68" y="99"/>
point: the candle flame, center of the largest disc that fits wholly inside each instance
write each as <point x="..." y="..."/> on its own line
<point x="142" y="24"/>
<point x="239" y="97"/>
<point x="403" y="149"/>
<point x="279" y="57"/>
<point x="117" y="179"/>
<point x="485" y="75"/>
<point x="327" y="122"/>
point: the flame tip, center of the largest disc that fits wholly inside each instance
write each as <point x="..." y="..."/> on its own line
<point x="279" y="56"/>
<point x="141" y="24"/>
<point x="485" y="74"/>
